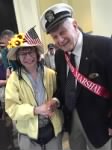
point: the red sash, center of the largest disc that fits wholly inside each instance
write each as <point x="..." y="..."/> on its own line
<point x="93" y="87"/>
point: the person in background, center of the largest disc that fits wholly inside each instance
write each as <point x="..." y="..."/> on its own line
<point x="29" y="97"/>
<point x="49" y="56"/>
<point x="42" y="59"/>
<point x="5" y="36"/>
<point x="84" y="78"/>
<point x="8" y="67"/>
<point x="6" y="127"/>
<point x="2" y="85"/>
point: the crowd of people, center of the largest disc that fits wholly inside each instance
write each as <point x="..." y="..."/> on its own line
<point x="69" y="89"/>
<point x="9" y="137"/>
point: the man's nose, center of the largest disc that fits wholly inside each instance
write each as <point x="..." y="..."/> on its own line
<point x="60" y="39"/>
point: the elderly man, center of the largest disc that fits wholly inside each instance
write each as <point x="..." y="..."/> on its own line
<point x="84" y="78"/>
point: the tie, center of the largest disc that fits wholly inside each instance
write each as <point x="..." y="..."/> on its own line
<point x="70" y="89"/>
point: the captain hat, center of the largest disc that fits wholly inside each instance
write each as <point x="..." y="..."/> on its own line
<point x="54" y="15"/>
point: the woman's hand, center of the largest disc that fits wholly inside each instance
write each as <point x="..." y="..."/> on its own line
<point x="46" y="109"/>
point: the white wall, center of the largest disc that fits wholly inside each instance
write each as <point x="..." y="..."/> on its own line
<point x="27" y="15"/>
<point x="101" y="11"/>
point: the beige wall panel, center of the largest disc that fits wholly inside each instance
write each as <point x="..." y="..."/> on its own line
<point x="82" y="13"/>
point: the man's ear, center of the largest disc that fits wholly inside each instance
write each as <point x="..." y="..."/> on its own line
<point x="75" y="24"/>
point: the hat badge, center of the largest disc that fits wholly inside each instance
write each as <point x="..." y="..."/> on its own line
<point x="50" y="16"/>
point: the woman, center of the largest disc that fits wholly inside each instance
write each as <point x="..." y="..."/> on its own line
<point x="29" y="98"/>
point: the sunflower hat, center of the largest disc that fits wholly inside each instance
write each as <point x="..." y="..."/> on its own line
<point x="21" y="40"/>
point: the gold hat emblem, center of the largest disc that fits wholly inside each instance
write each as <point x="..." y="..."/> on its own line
<point x="50" y="16"/>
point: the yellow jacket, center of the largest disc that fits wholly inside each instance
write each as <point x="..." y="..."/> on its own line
<point x="20" y="102"/>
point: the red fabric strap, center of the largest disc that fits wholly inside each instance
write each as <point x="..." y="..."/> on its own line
<point x="93" y="87"/>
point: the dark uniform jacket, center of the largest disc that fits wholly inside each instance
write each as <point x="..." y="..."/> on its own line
<point x="93" y="110"/>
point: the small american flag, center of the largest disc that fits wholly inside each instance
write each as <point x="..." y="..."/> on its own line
<point x="32" y="37"/>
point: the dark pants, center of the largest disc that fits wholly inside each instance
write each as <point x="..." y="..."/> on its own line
<point x="6" y="133"/>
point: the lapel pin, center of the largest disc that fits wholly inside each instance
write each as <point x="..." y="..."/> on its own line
<point x="86" y="58"/>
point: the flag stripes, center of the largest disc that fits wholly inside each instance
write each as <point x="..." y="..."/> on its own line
<point x="32" y="37"/>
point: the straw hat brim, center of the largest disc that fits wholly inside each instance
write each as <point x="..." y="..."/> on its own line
<point x="12" y="52"/>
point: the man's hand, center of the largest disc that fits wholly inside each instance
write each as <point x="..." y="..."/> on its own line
<point x="3" y="82"/>
<point x="52" y="105"/>
<point x="43" y="110"/>
<point x="47" y="109"/>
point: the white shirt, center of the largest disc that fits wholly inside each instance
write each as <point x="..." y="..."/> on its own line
<point x="77" y="52"/>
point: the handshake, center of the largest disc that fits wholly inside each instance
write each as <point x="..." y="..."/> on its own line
<point x="47" y="109"/>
